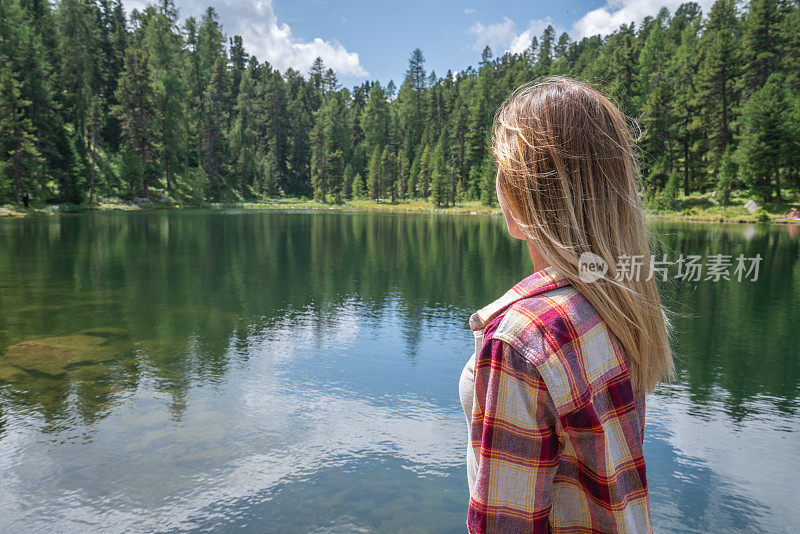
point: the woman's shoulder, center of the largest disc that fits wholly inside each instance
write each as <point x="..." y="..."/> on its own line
<point x="563" y="336"/>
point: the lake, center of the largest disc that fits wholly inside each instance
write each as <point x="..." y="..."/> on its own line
<point x="277" y="371"/>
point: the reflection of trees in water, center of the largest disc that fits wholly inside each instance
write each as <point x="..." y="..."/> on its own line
<point x="190" y="290"/>
<point x="742" y="337"/>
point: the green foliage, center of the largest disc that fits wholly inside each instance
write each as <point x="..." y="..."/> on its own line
<point x="359" y="191"/>
<point x="425" y="173"/>
<point x="439" y="172"/>
<point x="96" y="104"/>
<point x="764" y="140"/>
<point x="375" y="180"/>
<point x="667" y="198"/>
<point x="720" y="70"/>
<point x="195" y="184"/>
<point x="17" y="142"/>
<point x="487" y="181"/>
<point x="727" y="177"/>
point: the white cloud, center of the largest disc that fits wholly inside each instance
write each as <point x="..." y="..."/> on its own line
<point x="266" y="428"/>
<point x="523" y="40"/>
<point x="273" y="41"/>
<point x="609" y="18"/>
<point x="470" y="11"/>
<point x="497" y="36"/>
<point x="270" y="40"/>
<point x="505" y="37"/>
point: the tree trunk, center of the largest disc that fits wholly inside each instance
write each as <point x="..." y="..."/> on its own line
<point x="168" y="171"/>
<point x="17" y="179"/>
<point x="93" y="157"/>
<point x="686" y="168"/>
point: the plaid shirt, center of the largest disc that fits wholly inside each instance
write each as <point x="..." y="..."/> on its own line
<point x="555" y="429"/>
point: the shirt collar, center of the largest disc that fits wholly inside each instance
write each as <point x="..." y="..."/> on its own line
<point x="538" y="282"/>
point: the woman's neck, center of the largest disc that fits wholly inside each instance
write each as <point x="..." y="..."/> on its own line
<point x="537" y="260"/>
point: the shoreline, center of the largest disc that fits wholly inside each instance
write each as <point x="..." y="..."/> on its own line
<point x="734" y="214"/>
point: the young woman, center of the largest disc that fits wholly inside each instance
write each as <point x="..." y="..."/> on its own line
<point x="554" y="394"/>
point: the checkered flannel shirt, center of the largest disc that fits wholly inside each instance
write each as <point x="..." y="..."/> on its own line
<point x="555" y="430"/>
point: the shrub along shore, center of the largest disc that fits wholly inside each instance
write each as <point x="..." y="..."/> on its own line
<point x="699" y="208"/>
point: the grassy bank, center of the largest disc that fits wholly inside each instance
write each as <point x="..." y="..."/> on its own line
<point x="700" y="208"/>
<point x="706" y="208"/>
<point x="415" y="206"/>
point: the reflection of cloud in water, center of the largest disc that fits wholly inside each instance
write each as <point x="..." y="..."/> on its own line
<point x="707" y="472"/>
<point x="323" y="397"/>
<point x="240" y="436"/>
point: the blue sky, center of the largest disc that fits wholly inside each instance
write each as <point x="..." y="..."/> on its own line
<point x="373" y="40"/>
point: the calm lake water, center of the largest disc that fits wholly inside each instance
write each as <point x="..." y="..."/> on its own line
<point x="298" y="372"/>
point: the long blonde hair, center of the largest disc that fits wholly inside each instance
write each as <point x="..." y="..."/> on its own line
<point x="567" y="170"/>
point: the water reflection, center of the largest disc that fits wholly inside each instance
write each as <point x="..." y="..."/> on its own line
<point x="708" y="473"/>
<point x="226" y="371"/>
<point x="275" y="423"/>
<point x="738" y="336"/>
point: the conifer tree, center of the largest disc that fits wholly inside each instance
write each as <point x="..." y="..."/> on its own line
<point x="762" y="43"/>
<point x="375" y="179"/>
<point x="544" y="55"/>
<point x="118" y="106"/>
<point x="719" y="70"/>
<point x="358" y="187"/>
<point x="244" y="140"/>
<point x="425" y="172"/>
<point x="439" y="172"/>
<point x="20" y="158"/>
<point x="138" y="114"/>
<point x="764" y="140"/>
<point x="169" y="93"/>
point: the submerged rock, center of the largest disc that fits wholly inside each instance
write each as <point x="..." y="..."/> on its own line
<point x="55" y="355"/>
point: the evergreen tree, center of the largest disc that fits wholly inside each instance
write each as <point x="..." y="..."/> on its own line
<point x="389" y="170"/>
<point x="375" y="119"/>
<point x="727" y="176"/>
<point x="299" y="142"/>
<point x="762" y="42"/>
<point x="95" y="104"/>
<point x="238" y="61"/>
<point x="764" y="140"/>
<point x="20" y="158"/>
<point x="658" y="104"/>
<point x="375" y="178"/>
<point x="425" y="172"/>
<point x="212" y="131"/>
<point x="718" y="74"/>
<point x="488" y="179"/>
<point x="330" y="145"/>
<point x="414" y="176"/>
<point x="138" y="114"/>
<point x="358" y="187"/>
<point x="78" y="46"/>
<point x="544" y="55"/>
<point x="22" y="54"/>
<point x="411" y="100"/>
<point x="168" y="91"/>
<point x="244" y="140"/>
<point x="275" y="120"/>
<point x="439" y="172"/>
<point x="686" y="126"/>
<point x="268" y="174"/>
<point x="319" y="160"/>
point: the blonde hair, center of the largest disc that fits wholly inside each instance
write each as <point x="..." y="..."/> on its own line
<point x="567" y="171"/>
